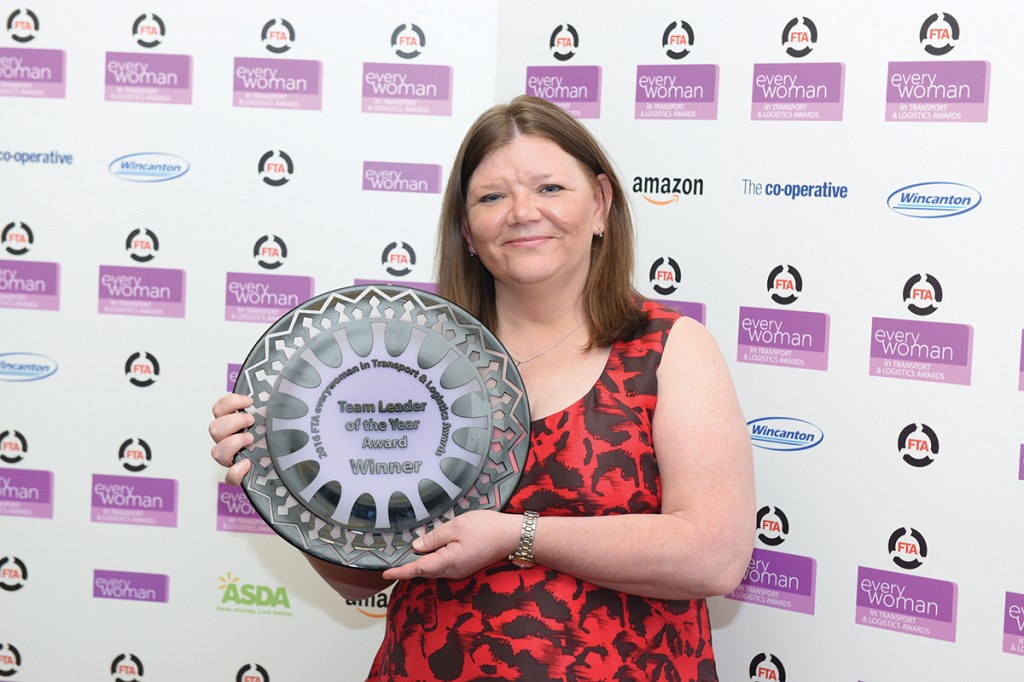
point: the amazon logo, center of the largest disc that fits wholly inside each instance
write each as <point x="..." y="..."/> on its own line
<point x="662" y="191"/>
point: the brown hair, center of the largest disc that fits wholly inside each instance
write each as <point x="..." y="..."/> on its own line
<point x="611" y="306"/>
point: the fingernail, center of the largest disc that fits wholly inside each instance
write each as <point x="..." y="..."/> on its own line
<point x="417" y="544"/>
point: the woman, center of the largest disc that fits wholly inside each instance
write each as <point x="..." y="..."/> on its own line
<point x="641" y="490"/>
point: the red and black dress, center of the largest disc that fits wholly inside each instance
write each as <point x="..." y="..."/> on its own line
<point x="595" y="458"/>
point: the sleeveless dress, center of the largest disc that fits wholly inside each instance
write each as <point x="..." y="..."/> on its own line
<point x="595" y="458"/>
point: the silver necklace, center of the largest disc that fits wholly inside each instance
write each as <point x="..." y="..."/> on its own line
<point x="548" y="350"/>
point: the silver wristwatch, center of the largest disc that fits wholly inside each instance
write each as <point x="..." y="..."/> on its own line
<point x="523" y="556"/>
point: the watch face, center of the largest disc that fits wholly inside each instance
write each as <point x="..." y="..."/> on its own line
<point x="520" y="562"/>
<point x="381" y="411"/>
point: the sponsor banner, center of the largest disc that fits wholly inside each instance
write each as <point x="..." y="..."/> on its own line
<point x="695" y="311"/>
<point x="937" y="92"/>
<point x="905" y="603"/>
<point x="147" y="77"/>
<point x="278" y="83"/>
<point x="418" y="178"/>
<point x="233" y="370"/>
<point x="785" y="434"/>
<point x="577" y="89"/>
<point x="934" y="200"/>
<point x="149" y="292"/>
<point x="429" y="287"/>
<point x="148" y="167"/>
<point x="26" y="493"/>
<point x="29" y="285"/>
<point x="798" y="92"/>
<point x="677" y="91"/>
<point x="134" y="500"/>
<point x="235" y="514"/>
<point x="1013" y="624"/>
<point x="19" y="367"/>
<point x="423" y="89"/>
<point x="784" y="338"/>
<point x="153" y="587"/>
<point x="921" y="351"/>
<point x="30" y="72"/>
<point x="779" y="580"/>
<point x="252" y="297"/>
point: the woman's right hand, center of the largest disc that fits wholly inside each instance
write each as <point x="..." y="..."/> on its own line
<point x="229" y="431"/>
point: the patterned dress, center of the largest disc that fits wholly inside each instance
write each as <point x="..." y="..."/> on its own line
<point x="595" y="458"/>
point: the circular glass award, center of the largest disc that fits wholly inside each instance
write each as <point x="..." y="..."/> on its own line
<point x="381" y="411"/>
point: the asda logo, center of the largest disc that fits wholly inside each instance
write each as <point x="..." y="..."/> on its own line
<point x="252" y="598"/>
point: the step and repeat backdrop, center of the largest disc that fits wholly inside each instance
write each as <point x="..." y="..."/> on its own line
<point x="831" y="191"/>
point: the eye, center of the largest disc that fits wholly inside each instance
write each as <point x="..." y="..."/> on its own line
<point x="550" y="189"/>
<point x="489" y="198"/>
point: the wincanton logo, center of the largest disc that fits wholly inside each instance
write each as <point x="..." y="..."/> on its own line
<point x="799" y="37"/>
<point x="407" y="41"/>
<point x="934" y="200"/>
<point x="148" y="167"/>
<point x="22" y="25"/>
<point x="939" y="34"/>
<point x="662" y="191"/>
<point x="564" y="42"/>
<point x="26" y="366"/>
<point x="278" y="36"/>
<point x="786" y="434"/>
<point x="677" y="39"/>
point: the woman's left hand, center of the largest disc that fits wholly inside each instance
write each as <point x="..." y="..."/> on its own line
<point x="462" y="546"/>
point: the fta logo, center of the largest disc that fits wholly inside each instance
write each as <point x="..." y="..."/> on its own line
<point x="784" y="284"/>
<point x="677" y="39"/>
<point x="772" y="526"/>
<point x="799" y="37"/>
<point x="275" y="168"/>
<point x="13" y="447"/>
<point x="278" y="35"/>
<point x="922" y="294"/>
<point x="398" y="259"/>
<point x="665" y="275"/>
<point x="10" y="659"/>
<point x="939" y="34"/>
<point x="270" y="252"/>
<point x="13" y="574"/>
<point x="22" y="25"/>
<point x="17" y="238"/>
<point x="127" y="668"/>
<point x="149" y="30"/>
<point x="252" y="672"/>
<point x="767" y="667"/>
<point x="564" y="42"/>
<point x="142" y="245"/>
<point x="142" y="369"/>
<point x="918" y="443"/>
<point x="134" y="454"/>
<point x="408" y="41"/>
<point x="907" y="548"/>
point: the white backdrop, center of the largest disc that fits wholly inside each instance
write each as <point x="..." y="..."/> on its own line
<point x="160" y="582"/>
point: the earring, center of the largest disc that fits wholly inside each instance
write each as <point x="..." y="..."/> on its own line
<point x="472" y="251"/>
<point x="600" y="235"/>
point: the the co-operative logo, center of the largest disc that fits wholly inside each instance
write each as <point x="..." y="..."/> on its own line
<point x="934" y="199"/>
<point x="148" y="167"/>
<point x="787" y="434"/>
<point x="26" y="366"/>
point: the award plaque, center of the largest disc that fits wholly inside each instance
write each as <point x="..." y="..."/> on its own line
<point x="381" y="412"/>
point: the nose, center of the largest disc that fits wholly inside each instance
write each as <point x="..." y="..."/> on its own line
<point x="524" y="208"/>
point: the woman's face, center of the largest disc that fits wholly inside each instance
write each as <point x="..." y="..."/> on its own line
<point x="532" y="212"/>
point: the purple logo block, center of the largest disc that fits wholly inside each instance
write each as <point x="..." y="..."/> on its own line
<point x="784" y="338"/>
<point x="148" y="78"/>
<point x="153" y="587"/>
<point x="695" y="311"/>
<point x="149" y="292"/>
<point x="26" y="493"/>
<point x="263" y="298"/>
<point x="577" y="89"/>
<point x="1020" y="471"/>
<point x="937" y="92"/>
<point x="905" y="603"/>
<point x="411" y="89"/>
<point x="29" y="285"/>
<point x="418" y="178"/>
<point x="135" y="501"/>
<point x="798" y="92"/>
<point x="677" y="92"/>
<point x="278" y="83"/>
<point x="28" y="72"/>
<point x="233" y="371"/>
<point x="1013" y="624"/>
<point x="235" y="514"/>
<point x="921" y="351"/>
<point x="1020" y="380"/>
<point x="779" y="580"/>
